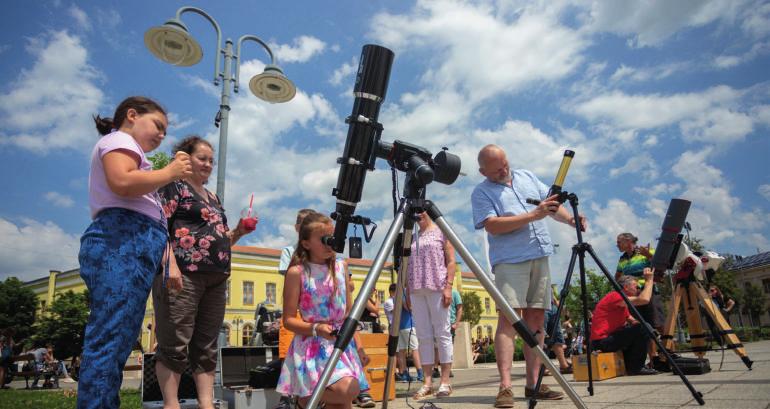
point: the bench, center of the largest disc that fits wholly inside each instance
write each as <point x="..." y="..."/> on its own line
<point x="32" y="369"/>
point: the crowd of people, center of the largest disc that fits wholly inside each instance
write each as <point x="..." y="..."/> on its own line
<point x="162" y="231"/>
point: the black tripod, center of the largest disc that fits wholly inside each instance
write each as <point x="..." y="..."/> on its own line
<point x="578" y="252"/>
<point x="414" y="202"/>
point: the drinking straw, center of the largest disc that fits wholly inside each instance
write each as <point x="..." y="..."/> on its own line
<point x="251" y="201"/>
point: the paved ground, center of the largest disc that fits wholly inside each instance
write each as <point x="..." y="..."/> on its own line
<point x="732" y="387"/>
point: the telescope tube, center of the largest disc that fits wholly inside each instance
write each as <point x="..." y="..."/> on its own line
<point x="363" y="137"/>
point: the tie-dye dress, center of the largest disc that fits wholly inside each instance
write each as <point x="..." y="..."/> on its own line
<point x="307" y="355"/>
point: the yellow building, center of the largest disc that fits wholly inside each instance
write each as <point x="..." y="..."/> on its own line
<point x="254" y="279"/>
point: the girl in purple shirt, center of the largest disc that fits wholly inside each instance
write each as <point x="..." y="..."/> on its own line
<point x="121" y="250"/>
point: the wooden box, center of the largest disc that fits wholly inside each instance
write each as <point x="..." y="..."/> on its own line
<point x="376" y="346"/>
<point x="604" y="365"/>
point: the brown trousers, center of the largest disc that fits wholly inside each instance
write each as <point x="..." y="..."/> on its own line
<point x="187" y="322"/>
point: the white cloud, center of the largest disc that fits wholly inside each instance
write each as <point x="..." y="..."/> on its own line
<point x="29" y="249"/>
<point x="176" y="122"/>
<point x="730" y="61"/>
<point x="481" y="51"/>
<point x="650" y="23"/>
<point x="640" y="165"/>
<point x="59" y="199"/>
<point x="62" y="87"/>
<point x="658" y="189"/>
<point x="344" y="71"/>
<point x="80" y="17"/>
<point x="764" y="191"/>
<point x="716" y="126"/>
<point x="644" y="74"/>
<point x="756" y="20"/>
<point x="302" y="49"/>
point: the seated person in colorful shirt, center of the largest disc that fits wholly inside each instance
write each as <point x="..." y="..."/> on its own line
<point x="614" y="329"/>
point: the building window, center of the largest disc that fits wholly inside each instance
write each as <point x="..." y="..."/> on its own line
<point x="248" y="293"/>
<point x="766" y="285"/>
<point x="248" y="331"/>
<point x="42" y="305"/>
<point x="380" y="296"/>
<point x="270" y="293"/>
<point x="227" y="293"/>
<point x="487" y="306"/>
<point x="478" y="333"/>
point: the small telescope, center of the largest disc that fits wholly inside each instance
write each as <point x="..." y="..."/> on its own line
<point x="555" y="189"/>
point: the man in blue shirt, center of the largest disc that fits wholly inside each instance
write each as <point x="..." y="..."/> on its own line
<point x="519" y="246"/>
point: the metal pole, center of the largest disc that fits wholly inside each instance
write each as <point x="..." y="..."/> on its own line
<point x="224" y="114"/>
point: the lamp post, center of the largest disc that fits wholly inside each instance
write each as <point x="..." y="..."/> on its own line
<point x="173" y="44"/>
<point x="237" y="322"/>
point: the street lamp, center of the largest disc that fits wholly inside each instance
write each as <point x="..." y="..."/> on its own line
<point x="173" y="44"/>
<point x="237" y="322"/>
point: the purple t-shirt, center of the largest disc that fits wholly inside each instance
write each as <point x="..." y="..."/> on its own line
<point x="427" y="266"/>
<point x="100" y="196"/>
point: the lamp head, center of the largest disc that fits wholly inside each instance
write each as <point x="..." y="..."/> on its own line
<point x="173" y="44"/>
<point x="272" y="85"/>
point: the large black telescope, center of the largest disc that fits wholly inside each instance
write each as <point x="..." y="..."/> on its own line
<point x="363" y="145"/>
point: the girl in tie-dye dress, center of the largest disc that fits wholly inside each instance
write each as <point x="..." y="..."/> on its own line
<point x="317" y="286"/>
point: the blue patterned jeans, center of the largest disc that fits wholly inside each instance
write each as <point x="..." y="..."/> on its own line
<point x="120" y="253"/>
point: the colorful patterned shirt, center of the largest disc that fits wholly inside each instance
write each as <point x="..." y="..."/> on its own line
<point x="197" y="229"/>
<point x="427" y="265"/>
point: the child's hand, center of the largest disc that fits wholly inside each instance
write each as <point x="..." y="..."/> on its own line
<point x="325" y="331"/>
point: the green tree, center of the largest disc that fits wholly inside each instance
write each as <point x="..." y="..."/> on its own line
<point x="64" y="324"/>
<point x="695" y="244"/>
<point x="471" y="308"/>
<point x="159" y="160"/>
<point x="17" y="307"/>
<point x="754" y="302"/>
<point x="597" y="286"/>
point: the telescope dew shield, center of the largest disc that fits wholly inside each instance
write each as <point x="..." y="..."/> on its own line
<point x="562" y="173"/>
<point x="363" y="136"/>
<point x="668" y="242"/>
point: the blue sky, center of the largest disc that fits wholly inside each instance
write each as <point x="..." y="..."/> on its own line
<point x="659" y="99"/>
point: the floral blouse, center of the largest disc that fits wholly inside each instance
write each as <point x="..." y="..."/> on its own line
<point x="197" y="230"/>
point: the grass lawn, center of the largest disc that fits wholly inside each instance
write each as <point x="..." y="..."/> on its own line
<point x="55" y="399"/>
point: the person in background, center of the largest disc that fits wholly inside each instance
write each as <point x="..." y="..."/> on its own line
<point x="431" y="275"/>
<point x="724" y="305"/>
<point x="288" y="251"/>
<point x="190" y="303"/>
<point x="614" y="329"/>
<point x="632" y="262"/>
<point x="122" y="250"/>
<point x="407" y="337"/>
<point x="555" y="341"/>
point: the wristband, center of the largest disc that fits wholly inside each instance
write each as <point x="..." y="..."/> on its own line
<point x="313" y="329"/>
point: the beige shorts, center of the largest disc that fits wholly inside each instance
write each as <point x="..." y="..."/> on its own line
<point x="407" y="338"/>
<point x="526" y="284"/>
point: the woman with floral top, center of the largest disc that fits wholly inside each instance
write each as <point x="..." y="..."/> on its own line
<point x="190" y="302"/>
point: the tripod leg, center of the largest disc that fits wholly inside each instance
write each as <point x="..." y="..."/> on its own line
<point x="505" y="308"/>
<point x="724" y="328"/>
<point x="398" y="304"/>
<point x="351" y="322"/>
<point x="668" y="329"/>
<point x="697" y="335"/>
<point x="586" y="321"/>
